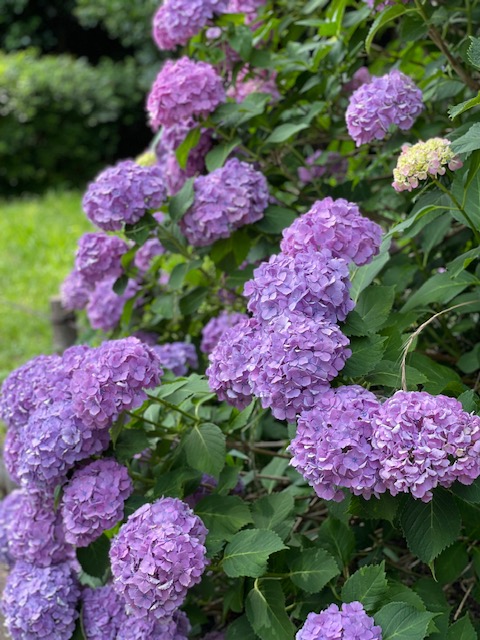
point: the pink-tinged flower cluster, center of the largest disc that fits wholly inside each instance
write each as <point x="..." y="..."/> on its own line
<point x="314" y="283"/>
<point x="122" y="194"/>
<point x="258" y="81"/>
<point x="157" y="556"/>
<point x="425" y="441"/>
<point x="176" y="627"/>
<point x="8" y="507"/>
<point x="332" y="165"/>
<point x="332" y="447"/>
<point x="392" y="99"/>
<point x="215" y="327"/>
<point x="176" y="21"/>
<point x="40" y="602"/>
<point x="147" y="253"/>
<point x="105" y="307"/>
<point x="103" y="612"/>
<point x="182" y="90"/>
<point x="380" y="6"/>
<point x="225" y="200"/>
<point x="351" y="622"/>
<point x="179" y="357"/>
<point x="98" y="257"/>
<point x="93" y="500"/>
<point x="336" y="225"/>
<point x="419" y="161"/>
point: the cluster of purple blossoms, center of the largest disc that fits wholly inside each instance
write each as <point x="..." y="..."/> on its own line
<point x="336" y="225"/>
<point x="93" y="500"/>
<point x="216" y="327"/>
<point x="225" y="200"/>
<point x="361" y="76"/>
<point x="380" y="6"/>
<point x="392" y="99"/>
<point x="74" y="292"/>
<point x="177" y="627"/>
<point x="351" y="622"/>
<point x="247" y="82"/>
<point x="103" y="612"/>
<point x="122" y="194"/>
<point x="333" y="165"/>
<point x="184" y="89"/>
<point x="158" y="555"/>
<point x="105" y="307"/>
<point x="98" y="257"/>
<point x="245" y="6"/>
<point x="147" y="254"/>
<point x="177" y="356"/>
<point x="176" y="21"/>
<point x="8" y="507"/>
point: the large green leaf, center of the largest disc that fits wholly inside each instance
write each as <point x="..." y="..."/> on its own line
<point x="284" y="132"/>
<point x="366" y="354"/>
<point x="248" y="552"/>
<point x="374" y="305"/>
<point x="129" y="443"/>
<point x="469" y="142"/>
<point x="439" y="288"/>
<point x="265" y="609"/>
<point x="276" y="219"/>
<point x="337" y="539"/>
<point x="368" y="585"/>
<point x="223" y="515"/>
<point x="389" y="374"/>
<point x="361" y="277"/>
<point x="400" y="621"/>
<point x="311" y="569"/>
<point x="382" y="19"/>
<point x="217" y="156"/>
<point x="270" y="511"/>
<point x="182" y="201"/>
<point x="205" y="448"/>
<point x="94" y="559"/>
<point x="241" y="629"/>
<point x="462" y="630"/>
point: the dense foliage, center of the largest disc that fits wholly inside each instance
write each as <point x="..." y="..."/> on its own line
<point x="303" y="233"/>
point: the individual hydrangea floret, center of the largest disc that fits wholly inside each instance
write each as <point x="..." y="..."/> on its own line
<point x="176" y="627"/>
<point x="225" y="200"/>
<point x="419" y="161"/>
<point x="260" y="81"/>
<point x="102" y="613"/>
<point x="296" y="360"/>
<point x="147" y="254"/>
<point x="314" y="283"/>
<point x="105" y="307"/>
<point x="336" y="225"/>
<point x="122" y="194"/>
<point x="332" y="447"/>
<point x="93" y="500"/>
<point x="424" y="441"/>
<point x="75" y="291"/>
<point x="8" y="508"/>
<point x="232" y="361"/>
<point x="157" y="556"/>
<point x="98" y="257"/>
<point x="184" y="89"/>
<point x="333" y="165"/>
<point x="179" y="357"/>
<point x="114" y="380"/>
<point x="351" y="622"/>
<point x="40" y="602"/>
<point x="215" y="327"/>
<point x="392" y="99"/>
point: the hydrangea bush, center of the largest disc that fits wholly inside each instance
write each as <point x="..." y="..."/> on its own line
<point x="269" y="429"/>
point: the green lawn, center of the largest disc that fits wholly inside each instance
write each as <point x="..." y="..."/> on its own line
<point x="37" y="242"/>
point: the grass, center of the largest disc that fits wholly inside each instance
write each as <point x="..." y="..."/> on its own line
<point x="37" y="242"/>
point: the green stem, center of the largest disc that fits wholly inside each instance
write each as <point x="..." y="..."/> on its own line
<point x="174" y="408"/>
<point x="459" y="207"/>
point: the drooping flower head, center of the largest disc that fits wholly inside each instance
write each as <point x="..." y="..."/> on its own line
<point x="225" y="200"/>
<point x="215" y="327"/>
<point x="332" y="165"/>
<point x="419" y="161"/>
<point x="177" y="356"/>
<point x="103" y="611"/>
<point x="157" y="556"/>
<point x="392" y="99"/>
<point x="351" y="622"/>
<point x="105" y="307"/>
<point x="98" y="257"/>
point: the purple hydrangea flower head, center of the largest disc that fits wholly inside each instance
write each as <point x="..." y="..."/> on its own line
<point x="361" y="76"/>
<point x="392" y="99"/>
<point x="177" y="356"/>
<point x="176" y="627"/>
<point x="351" y="622"/>
<point x="40" y="602"/>
<point x="36" y="532"/>
<point x="93" y="500"/>
<point x="232" y="361"/>
<point x="184" y="89"/>
<point x="105" y="307"/>
<point x="262" y="81"/>
<point x="147" y="254"/>
<point x="122" y="194"/>
<point x="296" y="360"/>
<point x="205" y="488"/>
<point x="157" y="556"/>
<point x="316" y="284"/>
<point x="179" y="20"/>
<point x="98" y="257"/>
<point x="245" y="6"/>
<point x="114" y="380"/>
<point x="102" y="613"/>
<point x="8" y="508"/>
<point x="225" y="200"/>
<point x="332" y="447"/>
<point x="75" y="291"/>
<point x="424" y="441"/>
<point x="12" y="450"/>
<point x="380" y="6"/>
<point x="336" y="225"/>
<point x="215" y="327"/>
<point x="333" y="165"/>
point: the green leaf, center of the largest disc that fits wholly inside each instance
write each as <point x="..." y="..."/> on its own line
<point x="190" y="142"/>
<point x="241" y="629"/>
<point x="470" y="401"/>
<point x="190" y="302"/>
<point x="217" y="156"/>
<point x="223" y="515"/>
<point x="366" y="354"/>
<point x="205" y="449"/>
<point x="432" y="526"/>
<point x="463" y="261"/>
<point x="368" y="585"/>
<point x="470" y="362"/>
<point x="361" y="277"/>
<point x="182" y="201"/>
<point x="400" y="621"/>
<point x="265" y="609"/>
<point x="276" y="219"/>
<point x="94" y="558"/>
<point x="272" y="510"/>
<point x="398" y="592"/>
<point x="451" y="563"/>
<point x="311" y="569"/>
<point x="235" y="114"/>
<point x="462" y="630"/>
<point x="439" y="288"/>
<point x="120" y="284"/>
<point x="171" y="238"/>
<point x="468" y="492"/>
<point x="383" y="508"/>
<point x="140" y="231"/>
<point x="461" y="107"/>
<point x="389" y="374"/>
<point x="383" y="18"/>
<point x="172" y="482"/>
<point x="248" y="552"/>
<point x="473" y="52"/>
<point x="284" y="132"/>
<point x="374" y="305"/>
<point x="337" y="539"/>
<point x="129" y="443"/>
<point x="469" y="142"/>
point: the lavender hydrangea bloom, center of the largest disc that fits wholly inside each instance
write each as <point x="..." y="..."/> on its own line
<point x="393" y="99"/>
<point x="157" y="556"/>
<point x="380" y="6"/>
<point x="424" y="441"/>
<point x="336" y="225"/>
<point x="296" y="360"/>
<point x="122" y="194"/>
<point x="12" y="449"/>
<point x="98" y="257"/>
<point x="246" y="82"/>
<point x="177" y="627"/>
<point x="351" y="622"/>
<point x="179" y="357"/>
<point x="245" y="6"/>
<point x="40" y="603"/>
<point x="8" y="508"/>
<point x="232" y="361"/>
<point x="102" y="613"/>
<point x="114" y="380"/>
<point x="225" y="200"/>
<point x="93" y="500"/>
<point x="75" y="291"/>
<point x="361" y="76"/>
<point x="316" y="284"/>
<point x="334" y="165"/>
<point x="332" y="448"/>
<point x="215" y="327"/>
<point x="147" y="254"/>
<point x="105" y="307"/>
<point x="184" y="89"/>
